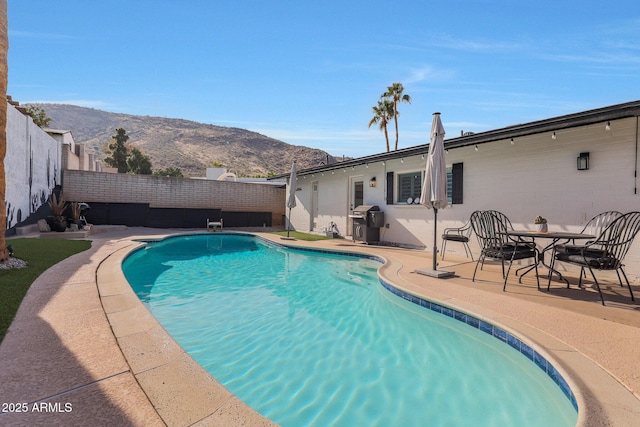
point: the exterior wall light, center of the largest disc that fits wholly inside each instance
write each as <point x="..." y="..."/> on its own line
<point x="583" y="162"/>
<point x="372" y="182"/>
<point x="608" y="126"/>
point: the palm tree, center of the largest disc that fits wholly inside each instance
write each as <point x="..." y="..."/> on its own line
<point x="395" y="94"/>
<point x="4" y="47"/>
<point x="382" y="114"/>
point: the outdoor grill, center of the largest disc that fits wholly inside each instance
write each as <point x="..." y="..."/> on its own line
<point x="367" y="221"/>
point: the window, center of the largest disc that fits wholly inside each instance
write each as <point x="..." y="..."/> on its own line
<point x="409" y="186"/>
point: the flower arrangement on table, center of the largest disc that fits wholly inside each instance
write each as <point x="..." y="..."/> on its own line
<point x="541" y="223"/>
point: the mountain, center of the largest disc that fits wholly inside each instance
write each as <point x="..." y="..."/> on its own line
<point x="188" y="145"/>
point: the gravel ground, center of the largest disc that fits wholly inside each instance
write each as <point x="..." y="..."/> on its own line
<point x="12" y="263"/>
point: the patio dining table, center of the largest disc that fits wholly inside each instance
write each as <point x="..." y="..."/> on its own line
<point x="555" y="237"/>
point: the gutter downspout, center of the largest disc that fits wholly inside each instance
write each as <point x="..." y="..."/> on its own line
<point x="635" y="170"/>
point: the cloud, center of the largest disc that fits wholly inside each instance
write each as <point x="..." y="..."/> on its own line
<point x="612" y="59"/>
<point x="316" y="135"/>
<point x="449" y="42"/>
<point x="428" y="73"/>
<point x="42" y="36"/>
<point x="77" y="102"/>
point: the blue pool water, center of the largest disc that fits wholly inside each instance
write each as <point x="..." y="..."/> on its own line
<point x="314" y="339"/>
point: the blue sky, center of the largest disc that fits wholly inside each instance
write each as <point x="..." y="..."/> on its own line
<point x="308" y="72"/>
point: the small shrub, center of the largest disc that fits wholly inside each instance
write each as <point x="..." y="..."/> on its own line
<point x="57" y="205"/>
<point x="75" y="210"/>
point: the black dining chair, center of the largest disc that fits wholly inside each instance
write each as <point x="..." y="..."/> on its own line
<point x="594" y="227"/>
<point x="491" y="228"/>
<point x="606" y="252"/>
<point x="458" y="234"/>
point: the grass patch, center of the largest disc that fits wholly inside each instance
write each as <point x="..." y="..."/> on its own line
<point x="40" y="254"/>
<point x="302" y="236"/>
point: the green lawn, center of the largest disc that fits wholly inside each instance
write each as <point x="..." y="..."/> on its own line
<point x="40" y="254"/>
<point x="302" y="236"/>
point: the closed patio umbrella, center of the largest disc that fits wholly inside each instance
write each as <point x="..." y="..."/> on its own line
<point x="291" y="199"/>
<point x="434" y="187"/>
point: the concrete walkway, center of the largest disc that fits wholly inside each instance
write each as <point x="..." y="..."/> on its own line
<point x="83" y="350"/>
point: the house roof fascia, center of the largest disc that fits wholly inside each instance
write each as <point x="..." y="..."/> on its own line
<point x="600" y="115"/>
<point x="614" y="112"/>
<point x="56" y="131"/>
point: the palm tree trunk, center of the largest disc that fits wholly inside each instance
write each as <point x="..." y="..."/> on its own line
<point x="395" y="120"/>
<point x="4" y="47"/>
<point x="386" y="137"/>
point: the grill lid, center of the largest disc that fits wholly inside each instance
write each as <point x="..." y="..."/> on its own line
<point x="363" y="209"/>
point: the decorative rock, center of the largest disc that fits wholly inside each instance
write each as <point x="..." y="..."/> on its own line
<point x="43" y="226"/>
<point x="12" y="263"/>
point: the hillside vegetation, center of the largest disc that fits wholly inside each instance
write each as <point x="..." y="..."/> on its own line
<point x="188" y="145"/>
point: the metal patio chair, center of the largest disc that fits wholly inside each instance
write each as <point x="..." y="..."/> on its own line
<point x="491" y="228"/>
<point x="458" y="234"/>
<point x="594" y="227"/>
<point x="606" y="252"/>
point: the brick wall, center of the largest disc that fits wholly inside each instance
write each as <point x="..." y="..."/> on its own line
<point x="69" y="159"/>
<point x="167" y="192"/>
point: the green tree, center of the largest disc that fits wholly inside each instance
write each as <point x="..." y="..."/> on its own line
<point x="170" y="171"/>
<point x="395" y="93"/>
<point x="138" y="163"/>
<point x="38" y="115"/>
<point x="118" y="150"/>
<point x="382" y="114"/>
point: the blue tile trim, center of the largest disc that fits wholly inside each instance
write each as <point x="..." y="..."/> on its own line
<point x="494" y="331"/>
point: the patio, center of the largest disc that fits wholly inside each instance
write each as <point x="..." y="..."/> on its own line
<point x="82" y="337"/>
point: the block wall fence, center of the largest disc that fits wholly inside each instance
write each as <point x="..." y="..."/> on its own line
<point x="176" y="193"/>
<point x="32" y="165"/>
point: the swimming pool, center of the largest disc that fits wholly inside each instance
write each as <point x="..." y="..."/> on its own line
<point x="309" y="338"/>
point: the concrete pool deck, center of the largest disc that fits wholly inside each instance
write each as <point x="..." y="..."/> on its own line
<point x="84" y="350"/>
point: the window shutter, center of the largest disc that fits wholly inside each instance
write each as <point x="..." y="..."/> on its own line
<point x="389" y="188"/>
<point x="456" y="172"/>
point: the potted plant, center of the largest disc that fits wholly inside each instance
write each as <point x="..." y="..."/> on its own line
<point x="541" y="224"/>
<point x="57" y="221"/>
<point x="74" y="207"/>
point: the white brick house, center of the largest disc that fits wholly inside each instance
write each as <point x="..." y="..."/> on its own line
<point x="523" y="170"/>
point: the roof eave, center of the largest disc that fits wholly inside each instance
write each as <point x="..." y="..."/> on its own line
<point x="614" y="112"/>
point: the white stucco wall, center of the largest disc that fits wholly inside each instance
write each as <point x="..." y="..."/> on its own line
<point x="32" y="166"/>
<point x="536" y="175"/>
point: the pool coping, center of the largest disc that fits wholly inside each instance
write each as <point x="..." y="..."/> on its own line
<point x="82" y="336"/>
<point x="181" y="390"/>
<point x="115" y="292"/>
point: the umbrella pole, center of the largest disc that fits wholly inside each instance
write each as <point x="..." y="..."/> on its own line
<point x="289" y="222"/>
<point x="435" y="245"/>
